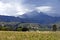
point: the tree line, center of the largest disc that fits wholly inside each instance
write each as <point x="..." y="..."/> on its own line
<point x="27" y="27"/>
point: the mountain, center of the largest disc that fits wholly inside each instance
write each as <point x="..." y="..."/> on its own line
<point x="9" y="19"/>
<point x="36" y="17"/>
<point x="31" y="17"/>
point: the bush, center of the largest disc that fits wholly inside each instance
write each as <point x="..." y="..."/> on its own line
<point x="25" y="29"/>
<point x="54" y="27"/>
<point x="19" y="29"/>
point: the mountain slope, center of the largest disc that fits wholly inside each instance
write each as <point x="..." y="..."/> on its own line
<point x="35" y="17"/>
<point x="9" y="19"/>
<point x="31" y="17"/>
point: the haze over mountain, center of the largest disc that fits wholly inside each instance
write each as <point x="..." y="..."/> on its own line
<point x="36" y="17"/>
<point x="31" y="17"/>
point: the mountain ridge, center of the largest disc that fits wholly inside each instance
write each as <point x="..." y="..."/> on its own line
<point x="31" y="17"/>
<point x="40" y="18"/>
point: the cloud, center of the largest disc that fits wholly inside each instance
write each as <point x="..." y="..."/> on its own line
<point x="45" y="9"/>
<point x="52" y="3"/>
<point x="19" y="7"/>
<point x="12" y="9"/>
<point x="3" y="8"/>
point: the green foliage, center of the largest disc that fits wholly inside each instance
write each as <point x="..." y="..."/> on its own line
<point x="16" y="26"/>
<point x="4" y="28"/>
<point x="54" y="27"/>
<point x="30" y="26"/>
<point x="19" y="29"/>
<point x="25" y="29"/>
<point x="0" y="27"/>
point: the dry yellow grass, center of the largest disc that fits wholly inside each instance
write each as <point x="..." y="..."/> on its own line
<point x="39" y="35"/>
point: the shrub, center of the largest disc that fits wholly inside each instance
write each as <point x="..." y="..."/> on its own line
<point x="54" y="27"/>
<point x="25" y="29"/>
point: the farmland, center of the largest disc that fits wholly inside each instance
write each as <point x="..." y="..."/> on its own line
<point x="38" y="35"/>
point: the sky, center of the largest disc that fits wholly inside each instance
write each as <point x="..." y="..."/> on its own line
<point x="19" y="7"/>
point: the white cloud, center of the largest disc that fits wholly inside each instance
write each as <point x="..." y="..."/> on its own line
<point x="12" y="9"/>
<point x="3" y="8"/>
<point x="45" y="9"/>
<point x="15" y="8"/>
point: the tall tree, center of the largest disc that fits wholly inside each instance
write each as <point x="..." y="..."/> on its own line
<point x="54" y="27"/>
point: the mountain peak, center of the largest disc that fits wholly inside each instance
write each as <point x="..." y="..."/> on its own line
<point x="32" y="14"/>
<point x="31" y="17"/>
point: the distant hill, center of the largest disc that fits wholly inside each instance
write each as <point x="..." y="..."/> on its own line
<point x="31" y="17"/>
<point x="9" y="19"/>
<point x="42" y="18"/>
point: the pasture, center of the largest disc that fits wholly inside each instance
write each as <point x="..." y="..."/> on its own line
<point x="38" y="35"/>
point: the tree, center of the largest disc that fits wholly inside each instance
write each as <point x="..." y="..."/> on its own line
<point x="54" y="27"/>
<point x="19" y="29"/>
<point x="3" y="28"/>
<point x="25" y="29"/>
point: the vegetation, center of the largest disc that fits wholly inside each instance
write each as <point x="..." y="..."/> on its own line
<point x="39" y="35"/>
<point x="19" y="29"/>
<point x="28" y="31"/>
<point x="54" y="27"/>
<point x="13" y="26"/>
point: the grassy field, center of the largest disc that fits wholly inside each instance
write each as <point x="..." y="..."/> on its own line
<point x="42" y="35"/>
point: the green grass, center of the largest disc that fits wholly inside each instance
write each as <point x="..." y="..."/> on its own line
<point x="42" y="35"/>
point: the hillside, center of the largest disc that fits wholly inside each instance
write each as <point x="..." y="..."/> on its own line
<point x="42" y="18"/>
<point x="31" y="17"/>
<point x="9" y="19"/>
